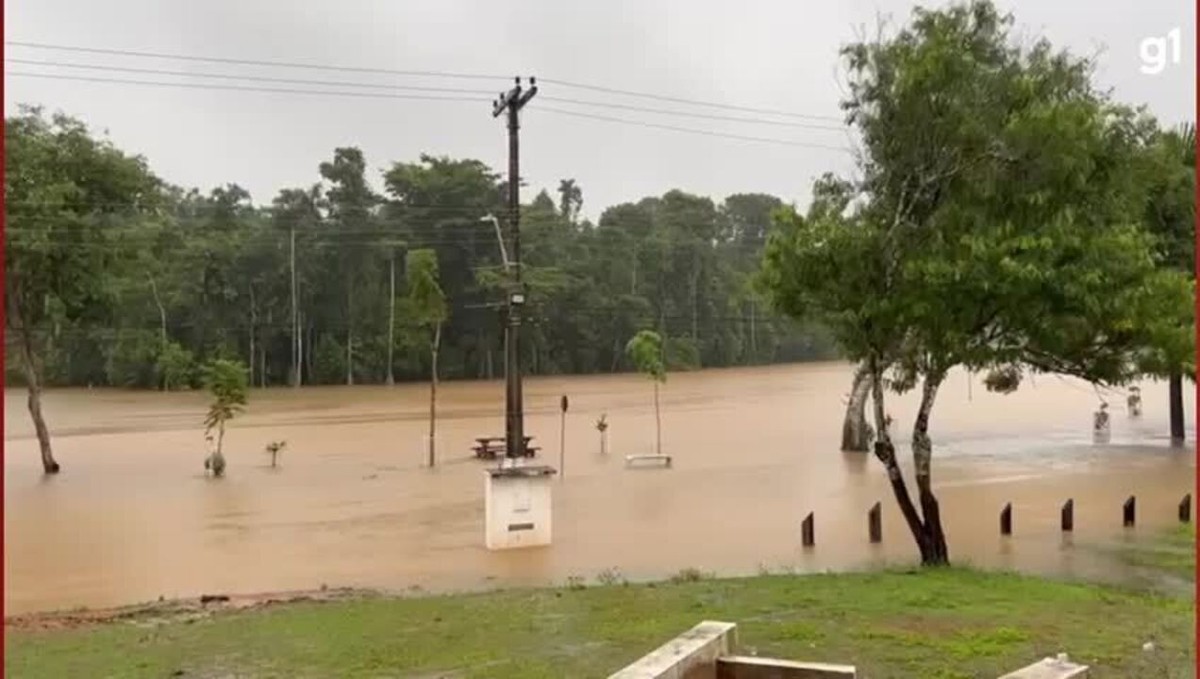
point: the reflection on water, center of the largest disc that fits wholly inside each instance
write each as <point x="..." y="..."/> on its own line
<point x="132" y="516"/>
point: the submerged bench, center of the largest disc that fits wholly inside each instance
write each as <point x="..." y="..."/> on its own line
<point x="665" y="460"/>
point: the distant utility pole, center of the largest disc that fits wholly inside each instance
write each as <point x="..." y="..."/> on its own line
<point x="511" y="103"/>
<point x="297" y="355"/>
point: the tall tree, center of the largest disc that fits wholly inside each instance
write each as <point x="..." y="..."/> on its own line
<point x="570" y="200"/>
<point x="645" y="350"/>
<point x="998" y="228"/>
<point x="351" y="204"/>
<point x="66" y="192"/>
<point x="428" y="312"/>
<point x="1171" y="216"/>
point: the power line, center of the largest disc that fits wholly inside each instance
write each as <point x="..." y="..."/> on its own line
<point x="707" y="133"/>
<point x="417" y="73"/>
<point x="252" y="78"/>
<point x="693" y="102"/>
<point x="236" y="88"/>
<point x="662" y="111"/>
<point x="254" y="62"/>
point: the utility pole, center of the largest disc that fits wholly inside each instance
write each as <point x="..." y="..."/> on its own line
<point x="511" y="103"/>
<point x="297" y="356"/>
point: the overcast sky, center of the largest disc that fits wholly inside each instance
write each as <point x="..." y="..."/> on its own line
<point x="771" y="55"/>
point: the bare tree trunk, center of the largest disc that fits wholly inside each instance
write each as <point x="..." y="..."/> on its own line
<point x="657" y="423"/>
<point x="297" y="339"/>
<point x="391" y="374"/>
<point x="349" y="357"/>
<point x="1175" y="407"/>
<point x="162" y="323"/>
<point x="33" y="378"/>
<point x="932" y="542"/>
<point x="856" y="433"/>
<point x="754" y="336"/>
<point x="253" y="328"/>
<point x="885" y="451"/>
<point x="433" y="382"/>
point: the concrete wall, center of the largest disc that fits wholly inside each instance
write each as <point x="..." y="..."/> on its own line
<point x="691" y="655"/>
<point x="517" y="507"/>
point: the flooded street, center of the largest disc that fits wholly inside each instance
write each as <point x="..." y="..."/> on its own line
<point x="132" y="516"/>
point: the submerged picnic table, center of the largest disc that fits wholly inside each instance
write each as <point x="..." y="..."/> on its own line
<point x="488" y="447"/>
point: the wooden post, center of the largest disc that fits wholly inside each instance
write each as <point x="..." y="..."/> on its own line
<point x="807" y="535"/>
<point x="875" y="523"/>
<point x="1185" y="509"/>
<point x="1006" y="519"/>
<point x="1129" y="511"/>
<point x="1068" y="516"/>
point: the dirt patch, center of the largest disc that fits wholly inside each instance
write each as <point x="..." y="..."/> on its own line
<point x="176" y="610"/>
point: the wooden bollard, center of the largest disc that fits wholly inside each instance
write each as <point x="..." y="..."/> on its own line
<point x="1068" y="516"/>
<point x="1185" y="509"/>
<point x="807" y="535"/>
<point x="875" y="523"/>
<point x="1129" y="512"/>
<point x="1006" y="519"/>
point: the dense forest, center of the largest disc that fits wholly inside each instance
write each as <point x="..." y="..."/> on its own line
<point x="162" y="279"/>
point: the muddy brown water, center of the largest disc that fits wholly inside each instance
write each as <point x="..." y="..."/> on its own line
<point x="132" y="517"/>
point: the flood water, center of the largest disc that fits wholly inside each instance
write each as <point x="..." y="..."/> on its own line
<point x="132" y="516"/>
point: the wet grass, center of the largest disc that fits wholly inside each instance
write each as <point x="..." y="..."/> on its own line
<point x="1173" y="554"/>
<point x="938" y="624"/>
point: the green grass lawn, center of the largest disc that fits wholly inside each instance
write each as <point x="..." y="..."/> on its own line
<point x="927" y="624"/>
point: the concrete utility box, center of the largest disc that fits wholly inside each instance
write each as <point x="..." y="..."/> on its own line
<point x="517" y="506"/>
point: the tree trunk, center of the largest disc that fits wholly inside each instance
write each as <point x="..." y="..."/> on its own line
<point x="657" y="423"/>
<point x="253" y="327"/>
<point x="754" y="341"/>
<point x="433" y="382"/>
<point x="1175" y="389"/>
<point x="932" y="540"/>
<point x="856" y="433"/>
<point x="885" y="451"/>
<point x="33" y="379"/>
<point x="162" y="326"/>
<point x="349" y="356"/>
<point x="391" y="374"/>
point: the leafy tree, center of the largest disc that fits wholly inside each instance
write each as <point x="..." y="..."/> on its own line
<point x="570" y="200"/>
<point x="1171" y="217"/>
<point x="428" y="311"/>
<point x="175" y="366"/>
<point x="996" y="227"/>
<point x="64" y="191"/>
<point x="351" y="204"/>
<point x="226" y="382"/>
<point x="645" y="349"/>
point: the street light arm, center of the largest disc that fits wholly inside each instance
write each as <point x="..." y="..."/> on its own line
<point x="499" y="238"/>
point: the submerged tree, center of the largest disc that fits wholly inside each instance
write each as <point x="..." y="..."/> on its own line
<point x="428" y="311"/>
<point x="226" y="381"/>
<point x="997" y="227"/>
<point x="69" y="199"/>
<point x="1171" y="217"/>
<point x="645" y="349"/>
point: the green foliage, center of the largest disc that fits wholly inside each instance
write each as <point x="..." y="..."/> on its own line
<point x="427" y="304"/>
<point x="176" y="366"/>
<point x="681" y="353"/>
<point x="132" y="360"/>
<point x="226" y="382"/>
<point x="212" y="270"/>
<point x="645" y="350"/>
<point x="329" y="360"/>
<point x="1012" y="240"/>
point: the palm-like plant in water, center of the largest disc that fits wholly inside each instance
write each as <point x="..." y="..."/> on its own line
<point x="226" y="381"/>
